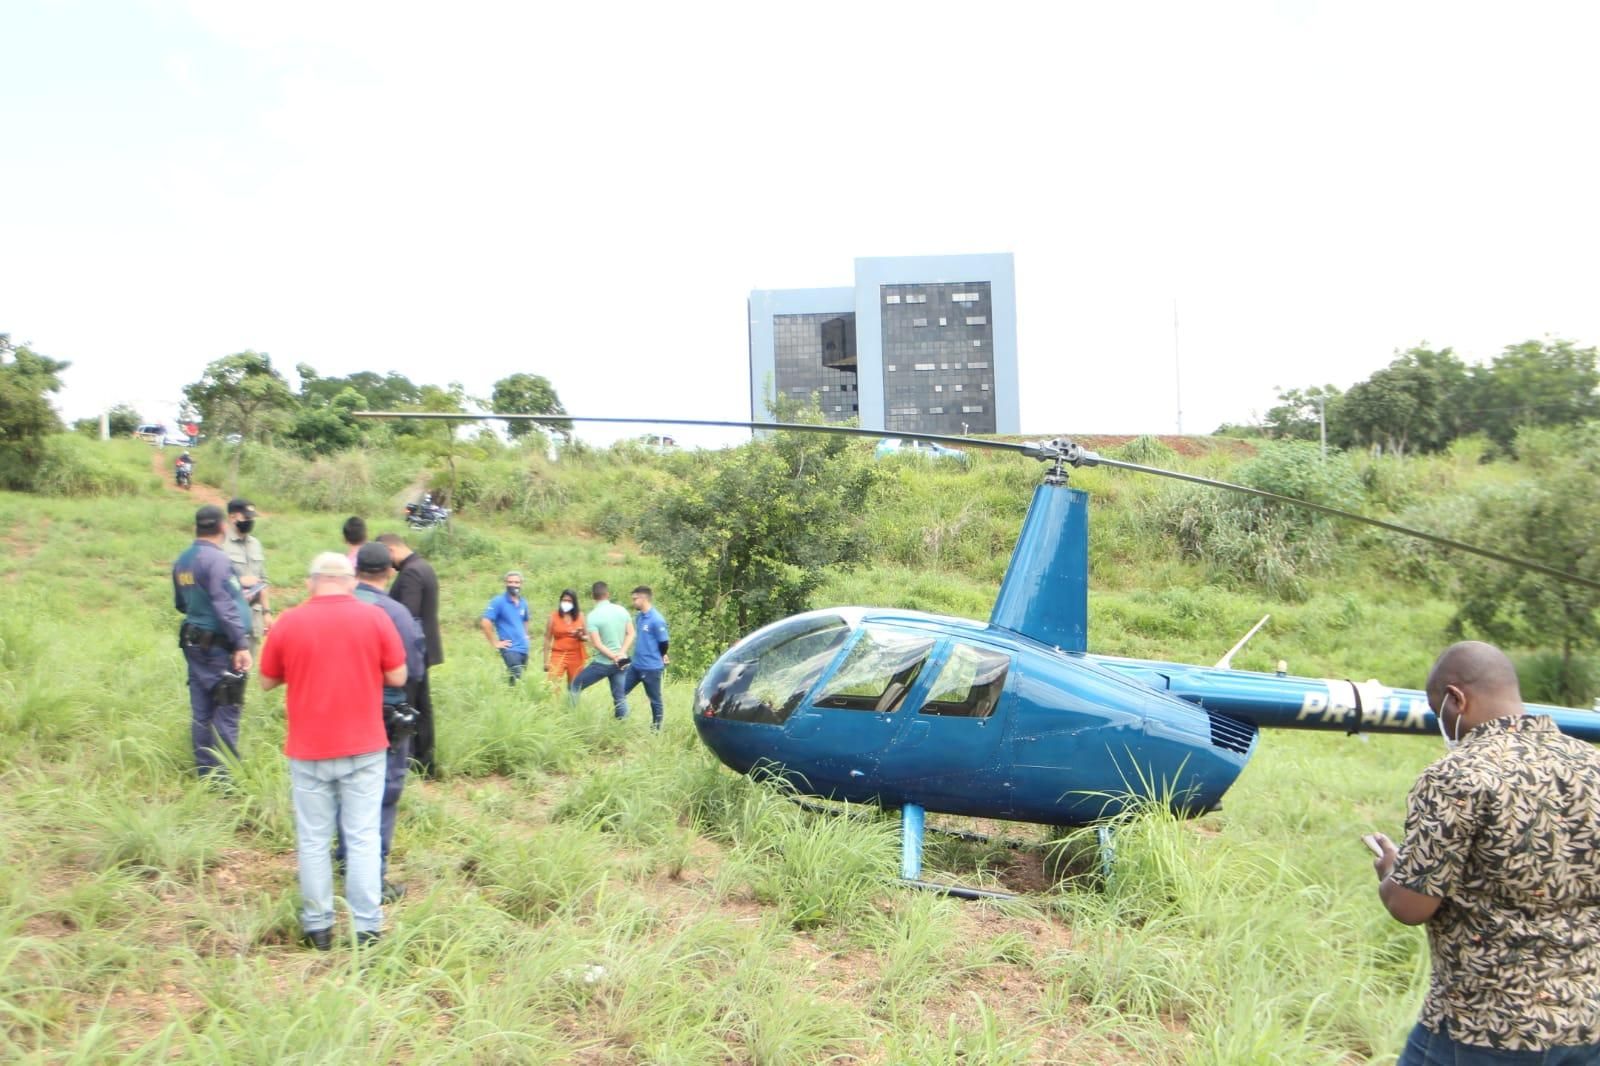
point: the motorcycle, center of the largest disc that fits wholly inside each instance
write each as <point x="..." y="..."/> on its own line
<point x="426" y="514"/>
<point x="184" y="476"/>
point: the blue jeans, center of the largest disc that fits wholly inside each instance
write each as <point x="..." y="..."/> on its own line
<point x="213" y="727"/>
<point x="597" y="670"/>
<point x="651" y="679"/>
<point x="515" y="662"/>
<point x="1427" y="1048"/>
<point x="347" y="791"/>
<point x="397" y="760"/>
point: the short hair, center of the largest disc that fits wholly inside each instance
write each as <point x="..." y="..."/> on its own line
<point x="355" y="530"/>
<point x="332" y="564"/>
<point x="391" y="539"/>
<point x="599" y="590"/>
<point x="643" y="590"/>
<point x="512" y="573"/>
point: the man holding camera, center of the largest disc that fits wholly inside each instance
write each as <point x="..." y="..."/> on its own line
<point x="215" y="638"/>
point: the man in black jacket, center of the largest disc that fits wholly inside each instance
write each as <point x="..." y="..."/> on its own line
<point x="416" y="586"/>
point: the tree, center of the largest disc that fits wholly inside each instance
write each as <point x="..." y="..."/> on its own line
<point x="1550" y="520"/>
<point x="123" y="420"/>
<point x="325" y="428"/>
<point x="1298" y="415"/>
<point x="437" y="438"/>
<point x="1534" y="383"/>
<point x="238" y="394"/>
<point x="1413" y="404"/>
<point x="528" y="394"/>
<point x="26" y="416"/>
<point x="750" y="540"/>
<point x="385" y="392"/>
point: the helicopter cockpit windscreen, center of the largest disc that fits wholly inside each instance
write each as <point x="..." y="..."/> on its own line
<point x="877" y="673"/>
<point x="766" y="680"/>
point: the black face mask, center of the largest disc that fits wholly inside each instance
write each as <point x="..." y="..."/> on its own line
<point x="245" y="525"/>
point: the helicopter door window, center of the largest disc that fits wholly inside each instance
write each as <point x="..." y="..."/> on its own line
<point x="970" y="683"/>
<point x="877" y="672"/>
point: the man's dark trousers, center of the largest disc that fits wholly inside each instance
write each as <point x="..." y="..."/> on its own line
<point x="516" y="662"/>
<point x="1427" y="1048"/>
<point x="213" y="727"/>
<point x="651" y="679"/>
<point x="422" y="743"/>
<point x="398" y="761"/>
<point x="601" y="669"/>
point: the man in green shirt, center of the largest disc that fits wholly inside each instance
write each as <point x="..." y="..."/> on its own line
<point x="610" y="637"/>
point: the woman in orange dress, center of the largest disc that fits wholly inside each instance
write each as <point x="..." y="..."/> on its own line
<point x="565" y="638"/>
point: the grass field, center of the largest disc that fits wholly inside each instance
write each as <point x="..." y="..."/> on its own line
<point x="582" y="890"/>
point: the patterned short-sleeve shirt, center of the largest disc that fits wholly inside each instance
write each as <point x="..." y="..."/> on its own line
<point x="1505" y="830"/>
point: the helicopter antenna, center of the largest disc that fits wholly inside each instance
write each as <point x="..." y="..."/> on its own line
<point x="1226" y="662"/>
<point x="1060" y="453"/>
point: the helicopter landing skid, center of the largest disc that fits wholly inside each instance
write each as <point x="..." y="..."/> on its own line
<point x="912" y="827"/>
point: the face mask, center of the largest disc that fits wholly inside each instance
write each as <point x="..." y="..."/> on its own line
<point x="1449" y="742"/>
<point x="567" y="608"/>
<point x="513" y="591"/>
<point x="245" y="525"/>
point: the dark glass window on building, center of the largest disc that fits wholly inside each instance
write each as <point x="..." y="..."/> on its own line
<point x="816" y="353"/>
<point x="953" y="358"/>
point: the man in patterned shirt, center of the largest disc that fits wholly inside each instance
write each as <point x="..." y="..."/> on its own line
<point x="1502" y="861"/>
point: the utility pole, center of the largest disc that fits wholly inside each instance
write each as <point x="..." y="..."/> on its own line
<point x="1322" y="423"/>
<point x="1177" y="367"/>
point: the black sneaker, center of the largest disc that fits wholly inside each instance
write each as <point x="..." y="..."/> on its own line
<point x="367" y="938"/>
<point x="321" y="939"/>
<point x="393" y="891"/>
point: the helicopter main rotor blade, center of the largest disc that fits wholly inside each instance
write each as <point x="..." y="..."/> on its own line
<point x="1432" y="538"/>
<point x="804" y="427"/>
<point x="1059" y="450"/>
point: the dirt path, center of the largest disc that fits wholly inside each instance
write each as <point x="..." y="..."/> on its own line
<point x="202" y="494"/>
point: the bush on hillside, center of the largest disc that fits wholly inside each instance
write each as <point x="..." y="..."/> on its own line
<point x="1146" y="451"/>
<point x="1247" y="539"/>
<point x="359" y="481"/>
<point x="70" y="464"/>
<point x="1545" y="679"/>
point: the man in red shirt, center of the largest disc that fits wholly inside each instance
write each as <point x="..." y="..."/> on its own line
<point x="336" y="653"/>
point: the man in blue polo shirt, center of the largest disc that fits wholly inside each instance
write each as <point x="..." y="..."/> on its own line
<point x="505" y="623"/>
<point x="649" y="653"/>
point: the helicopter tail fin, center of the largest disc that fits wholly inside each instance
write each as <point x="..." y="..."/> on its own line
<point x="1226" y="662"/>
<point x="1045" y="594"/>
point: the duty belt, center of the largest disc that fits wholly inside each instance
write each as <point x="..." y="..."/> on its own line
<point x="193" y="636"/>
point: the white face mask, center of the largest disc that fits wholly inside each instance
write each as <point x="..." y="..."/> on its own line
<point x="567" y="608"/>
<point x="1449" y="742"/>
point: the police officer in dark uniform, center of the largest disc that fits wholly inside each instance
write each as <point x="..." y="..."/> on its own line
<point x="215" y="638"/>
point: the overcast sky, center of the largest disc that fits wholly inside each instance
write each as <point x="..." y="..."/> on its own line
<point x="589" y="191"/>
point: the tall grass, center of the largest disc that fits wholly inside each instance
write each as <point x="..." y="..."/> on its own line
<point x="580" y="889"/>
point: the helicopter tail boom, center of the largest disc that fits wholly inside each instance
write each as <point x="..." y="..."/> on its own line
<point x="1281" y="701"/>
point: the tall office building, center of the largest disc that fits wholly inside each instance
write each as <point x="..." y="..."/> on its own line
<point x="919" y="344"/>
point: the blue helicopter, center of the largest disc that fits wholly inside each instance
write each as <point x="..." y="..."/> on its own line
<point x="1014" y="718"/>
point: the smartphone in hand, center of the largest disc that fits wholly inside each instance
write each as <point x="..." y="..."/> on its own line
<point x="1371" y="841"/>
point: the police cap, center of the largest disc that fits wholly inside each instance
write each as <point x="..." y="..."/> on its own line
<point x="208" y="520"/>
